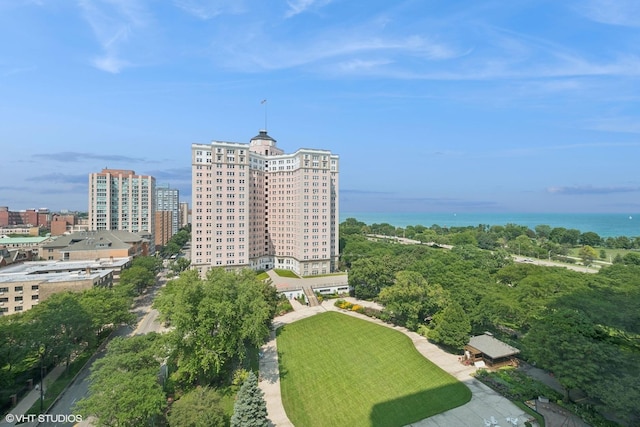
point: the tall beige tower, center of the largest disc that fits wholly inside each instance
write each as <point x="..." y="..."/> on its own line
<point x="121" y="200"/>
<point x="255" y="206"/>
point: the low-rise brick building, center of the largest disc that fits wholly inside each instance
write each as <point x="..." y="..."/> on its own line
<point x="91" y="245"/>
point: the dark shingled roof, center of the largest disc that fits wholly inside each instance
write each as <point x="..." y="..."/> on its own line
<point x="263" y="135"/>
<point x="492" y="347"/>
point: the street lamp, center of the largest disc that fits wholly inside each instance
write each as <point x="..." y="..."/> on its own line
<point x="41" y="352"/>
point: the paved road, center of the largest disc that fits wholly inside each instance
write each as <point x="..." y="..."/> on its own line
<point x="536" y="261"/>
<point x="79" y="387"/>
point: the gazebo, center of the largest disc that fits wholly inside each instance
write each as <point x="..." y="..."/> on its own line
<point x="490" y="350"/>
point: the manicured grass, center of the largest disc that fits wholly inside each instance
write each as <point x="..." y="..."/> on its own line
<point x="262" y="276"/>
<point x="285" y="273"/>
<point x="337" y="370"/>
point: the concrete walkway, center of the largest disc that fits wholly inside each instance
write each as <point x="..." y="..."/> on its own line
<point x="485" y="403"/>
<point x="15" y="414"/>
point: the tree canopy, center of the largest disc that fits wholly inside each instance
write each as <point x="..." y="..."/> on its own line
<point x="124" y="389"/>
<point x="214" y="320"/>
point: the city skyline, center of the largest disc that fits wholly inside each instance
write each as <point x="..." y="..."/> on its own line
<point x="431" y="106"/>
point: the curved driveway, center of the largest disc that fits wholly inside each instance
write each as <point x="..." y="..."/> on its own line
<point x="484" y="404"/>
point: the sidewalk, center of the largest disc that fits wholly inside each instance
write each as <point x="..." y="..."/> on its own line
<point x="15" y="414"/>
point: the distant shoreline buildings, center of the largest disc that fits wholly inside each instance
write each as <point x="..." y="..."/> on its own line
<point x="255" y="206"/>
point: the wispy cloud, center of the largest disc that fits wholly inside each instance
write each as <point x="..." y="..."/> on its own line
<point x="114" y="23"/>
<point x="613" y="12"/>
<point x="615" y="124"/>
<point x="17" y="70"/>
<point x="529" y="151"/>
<point x="73" y="157"/>
<point x="209" y="9"/>
<point x="356" y="191"/>
<point x="332" y="51"/>
<point x="174" y="174"/>
<point x="589" y="190"/>
<point x="60" y="178"/>
<point x="297" y="7"/>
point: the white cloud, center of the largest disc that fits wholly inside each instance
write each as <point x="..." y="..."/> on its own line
<point x="114" y="23"/>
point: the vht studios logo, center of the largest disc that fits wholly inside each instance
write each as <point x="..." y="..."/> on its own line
<point x="42" y="418"/>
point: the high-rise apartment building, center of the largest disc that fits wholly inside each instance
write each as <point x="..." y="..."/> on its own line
<point x="184" y="214"/>
<point x="168" y="199"/>
<point x="121" y="200"/>
<point x="255" y="206"/>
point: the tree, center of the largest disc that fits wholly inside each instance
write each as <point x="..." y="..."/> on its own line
<point x="588" y="254"/>
<point x="590" y="238"/>
<point x="631" y="258"/>
<point x="151" y="263"/>
<point x="124" y="390"/>
<point x="563" y="341"/>
<point x="62" y="325"/>
<point x="543" y="231"/>
<point x="250" y="409"/>
<point x="214" y="321"/>
<point x="180" y="264"/>
<point x="451" y="327"/>
<point x="411" y="298"/>
<point x="369" y="275"/>
<point x="137" y="276"/>
<point x="406" y="299"/>
<point x="199" y="407"/>
<point x="107" y="308"/>
<point x="15" y="345"/>
<point x="522" y="245"/>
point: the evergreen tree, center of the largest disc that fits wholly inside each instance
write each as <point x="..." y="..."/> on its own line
<point x="250" y="409"/>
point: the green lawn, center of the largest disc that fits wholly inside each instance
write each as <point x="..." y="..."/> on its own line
<point x="337" y="370"/>
<point x="285" y="273"/>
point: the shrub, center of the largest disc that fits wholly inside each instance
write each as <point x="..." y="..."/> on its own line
<point x="345" y="305"/>
<point x="239" y="376"/>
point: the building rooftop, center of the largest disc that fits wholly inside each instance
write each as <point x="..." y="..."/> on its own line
<point x="492" y="347"/>
<point x="263" y="135"/>
<point x="43" y="267"/>
<point x="22" y="240"/>
<point x="88" y="240"/>
<point x="66" y="276"/>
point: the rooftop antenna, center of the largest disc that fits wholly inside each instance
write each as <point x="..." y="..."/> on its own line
<point x="264" y="102"/>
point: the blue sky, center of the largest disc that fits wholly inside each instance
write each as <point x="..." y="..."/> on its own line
<point x="433" y="106"/>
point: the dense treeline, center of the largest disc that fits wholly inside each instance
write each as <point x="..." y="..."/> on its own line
<point x="177" y="241"/>
<point x="541" y="242"/>
<point x="585" y="328"/>
<point x="67" y="324"/>
<point x="217" y="322"/>
<point x="55" y="331"/>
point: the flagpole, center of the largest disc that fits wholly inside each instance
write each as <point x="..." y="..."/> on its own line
<point x="264" y="102"/>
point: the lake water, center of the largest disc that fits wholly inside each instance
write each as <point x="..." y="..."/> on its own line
<point x="605" y="225"/>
